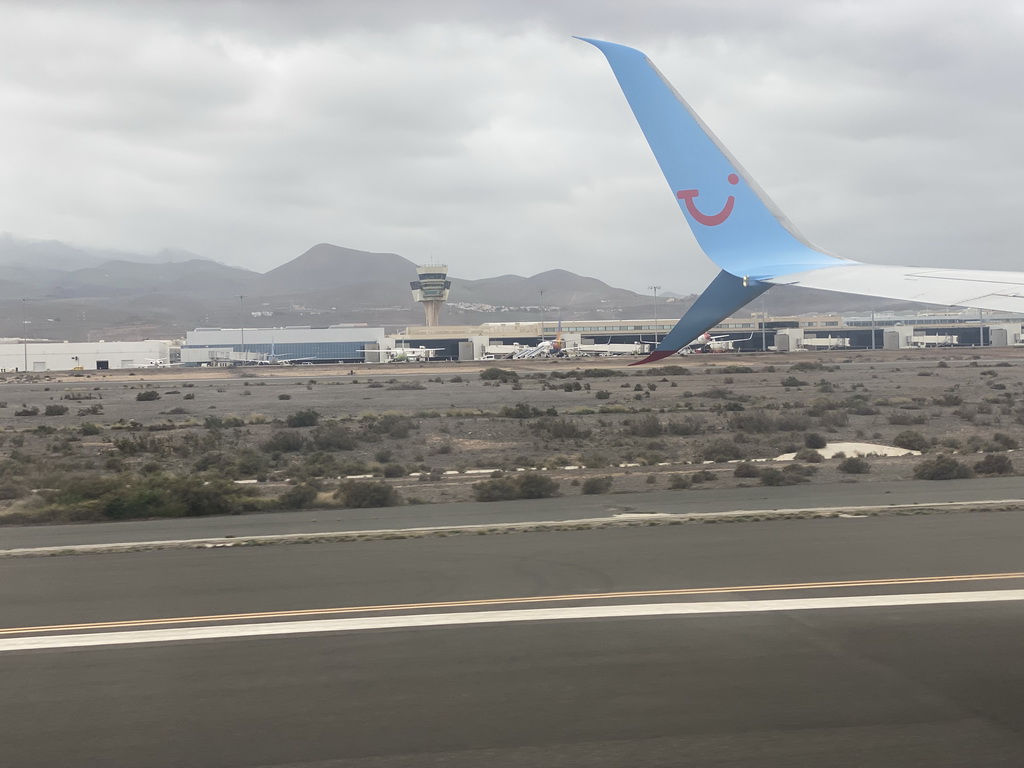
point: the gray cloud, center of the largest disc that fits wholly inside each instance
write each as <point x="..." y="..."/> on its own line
<point x="483" y="135"/>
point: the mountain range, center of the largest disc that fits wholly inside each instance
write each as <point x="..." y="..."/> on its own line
<point x="63" y="292"/>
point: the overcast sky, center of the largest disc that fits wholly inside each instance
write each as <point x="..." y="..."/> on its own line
<point x="482" y="135"/>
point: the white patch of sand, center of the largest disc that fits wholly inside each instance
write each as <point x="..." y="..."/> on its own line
<point x="855" y="449"/>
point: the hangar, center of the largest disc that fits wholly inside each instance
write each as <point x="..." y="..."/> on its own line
<point x="36" y="356"/>
<point x="294" y="344"/>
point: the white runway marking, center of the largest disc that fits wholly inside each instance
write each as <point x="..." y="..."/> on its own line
<point x="180" y="634"/>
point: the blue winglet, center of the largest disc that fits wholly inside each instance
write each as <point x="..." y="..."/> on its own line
<point x="725" y="295"/>
<point x="735" y="223"/>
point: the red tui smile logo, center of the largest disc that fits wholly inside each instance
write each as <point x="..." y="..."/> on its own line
<point x="708" y="220"/>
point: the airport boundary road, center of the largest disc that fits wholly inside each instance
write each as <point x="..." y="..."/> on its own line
<point x="991" y="491"/>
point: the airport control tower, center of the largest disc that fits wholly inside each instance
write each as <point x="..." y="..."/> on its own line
<point x="431" y="290"/>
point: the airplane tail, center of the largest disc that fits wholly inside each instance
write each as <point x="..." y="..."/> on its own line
<point x="734" y="221"/>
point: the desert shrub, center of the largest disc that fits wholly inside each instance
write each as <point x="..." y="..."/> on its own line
<point x="297" y="497"/>
<point x="12" y="489"/>
<point x="393" y="425"/>
<point x="498" y="374"/>
<point x="994" y="464"/>
<point x="149" y="394"/>
<point x="753" y="421"/>
<point x="284" y="396"/>
<point x="55" y="409"/>
<point x="793" y="381"/>
<point x="394" y="470"/>
<point x="791" y="475"/>
<point x="800" y="469"/>
<point x="33" y="411"/>
<point x="359" y="494"/>
<point x="668" y="370"/>
<point x="561" y="429"/>
<point x="948" y="400"/>
<point x="212" y="460"/>
<point x="596" y="485"/>
<point x="911" y="441"/>
<point x="774" y="477"/>
<point x="526" y="485"/>
<point x="534" y="486"/>
<point x="832" y="420"/>
<point x="747" y="469"/>
<point x="332" y="437"/>
<point x="792" y="422"/>
<point x="854" y="465"/>
<point x="904" y="419"/>
<point x="602" y="394"/>
<point x="407" y="385"/>
<point x="188" y="396"/>
<point x="1005" y="442"/>
<point x="721" y="450"/>
<point x="87" y="428"/>
<point x="304" y="418"/>
<point x="942" y="468"/>
<point x="647" y="425"/>
<point x="284" y="442"/>
<point x="95" y="498"/>
<point x="520" y="411"/>
<point x="679" y="482"/>
<point x="593" y="460"/>
<point x="496" y="489"/>
<point x="213" y="422"/>
<point x="249" y="462"/>
<point x="689" y="425"/>
<point x="809" y="455"/>
<point x="814" y="440"/>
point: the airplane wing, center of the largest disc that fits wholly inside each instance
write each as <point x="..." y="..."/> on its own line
<point x="1001" y="291"/>
<point x="744" y="232"/>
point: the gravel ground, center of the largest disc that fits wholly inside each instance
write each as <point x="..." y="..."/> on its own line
<point x="594" y="414"/>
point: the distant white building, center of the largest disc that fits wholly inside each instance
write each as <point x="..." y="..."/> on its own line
<point x="42" y="356"/>
<point x="335" y="343"/>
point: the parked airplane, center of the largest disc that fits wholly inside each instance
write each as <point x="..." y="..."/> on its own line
<point x="743" y="231"/>
<point x="402" y="354"/>
<point x="708" y="343"/>
<point x="155" y="362"/>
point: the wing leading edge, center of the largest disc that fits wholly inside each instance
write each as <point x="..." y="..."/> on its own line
<point x="740" y="229"/>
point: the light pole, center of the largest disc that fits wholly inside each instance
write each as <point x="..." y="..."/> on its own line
<point x="655" y="288"/>
<point x="542" y="316"/>
<point x="241" y="325"/>
<point x="764" y="325"/>
<point x="24" y="335"/>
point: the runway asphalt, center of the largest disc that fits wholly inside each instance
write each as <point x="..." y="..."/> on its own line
<point x="928" y="683"/>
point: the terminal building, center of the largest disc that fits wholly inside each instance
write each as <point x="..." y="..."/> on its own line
<point x="353" y="343"/>
<point x="750" y="333"/>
